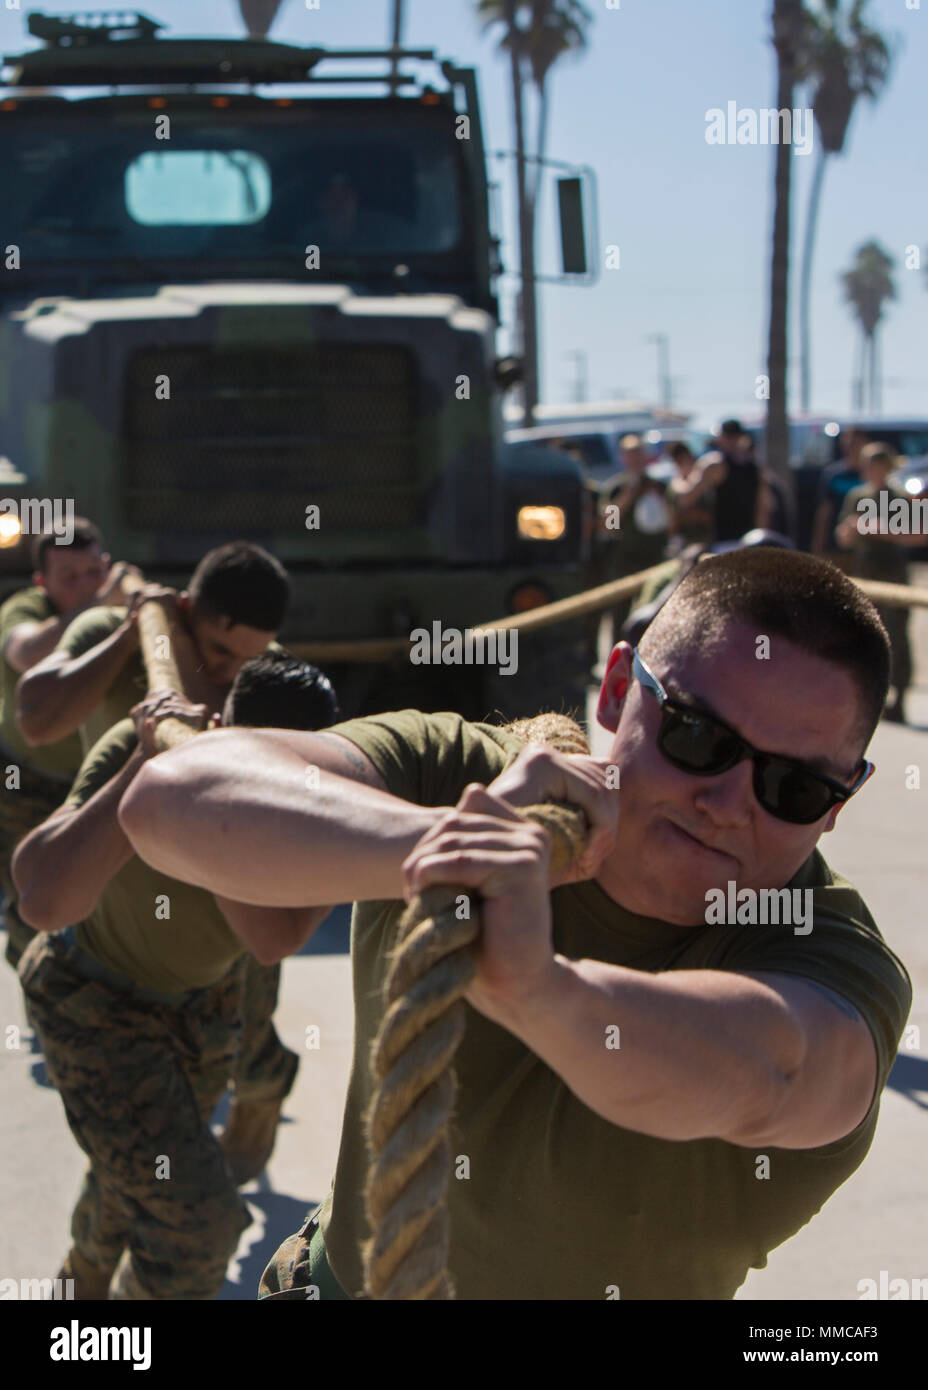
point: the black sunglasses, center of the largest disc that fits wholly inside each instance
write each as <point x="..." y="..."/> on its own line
<point x="698" y="742"/>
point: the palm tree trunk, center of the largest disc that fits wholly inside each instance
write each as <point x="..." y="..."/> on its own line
<point x="871" y="348"/>
<point x="258" y="15"/>
<point x="786" y="23"/>
<point x="528" y="315"/>
<point x="808" y="251"/>
<point x="541" y="141"/>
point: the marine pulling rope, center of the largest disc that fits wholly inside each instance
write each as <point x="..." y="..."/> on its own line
<point x="412" y="1060"/>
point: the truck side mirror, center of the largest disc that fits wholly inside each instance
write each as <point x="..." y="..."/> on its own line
<point x="573" y="233"/>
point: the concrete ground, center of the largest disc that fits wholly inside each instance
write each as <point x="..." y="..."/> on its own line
<point x="875" y="1222"/>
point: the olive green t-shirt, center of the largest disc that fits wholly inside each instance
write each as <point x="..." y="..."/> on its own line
<point x="161" y="933"/>
<point x="875" y="557"/>
<point x="57" y="760"/>
<point x="560" y="1203"/>
<point x="129" y="685"/>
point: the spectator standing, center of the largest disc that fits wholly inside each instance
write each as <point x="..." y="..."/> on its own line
<point x="877" y="554"/>
<point x="637" y="518"/>
<point x="836" y="482"/>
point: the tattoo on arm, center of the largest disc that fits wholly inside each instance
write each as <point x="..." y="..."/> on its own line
<point x="346" y="750"/>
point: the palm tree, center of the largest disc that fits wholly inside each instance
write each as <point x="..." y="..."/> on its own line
<point x="787" y="36"/>
<point x="258" y="16"/>
<point x="556" y="29"/>
<point x="867" y="286"/>
<point x="535" y="35"/>
<point x="842" y="59"/>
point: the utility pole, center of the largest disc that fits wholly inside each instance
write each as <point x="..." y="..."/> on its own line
<point x="664" y="383"/>
<point x="396" y="45"/>
<point x="787" y="17"/>
<point x="579" y="357"/>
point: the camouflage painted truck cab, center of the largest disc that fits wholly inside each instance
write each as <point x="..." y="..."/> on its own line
<point x="231" y="307"/>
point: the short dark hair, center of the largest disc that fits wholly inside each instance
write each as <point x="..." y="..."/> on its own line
<point x="243" y="583"/>
<point x="84" y="535"/>
<point x="678" y="449"/>
<point x="731" y="427"/>
<point x="789" y="594"/>
<point x="279" y="692"/>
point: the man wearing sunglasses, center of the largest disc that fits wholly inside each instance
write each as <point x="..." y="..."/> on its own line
<point x="650" y="1102"/>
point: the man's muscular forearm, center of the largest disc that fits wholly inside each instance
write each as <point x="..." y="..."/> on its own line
<point x="691" y="1054"/>
<point x="55" y="697"/>
<point x="259" y="817"/>
<point x="61" y="868"/>
<point x="30" y="643"/>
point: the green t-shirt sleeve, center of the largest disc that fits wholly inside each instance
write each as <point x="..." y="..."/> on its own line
<point x="430" y="758"/>
<point x="844" y="952"/>
<point x="89" y="630"/>
<point x="28" y="606"/>
<point x="107" y="757"/>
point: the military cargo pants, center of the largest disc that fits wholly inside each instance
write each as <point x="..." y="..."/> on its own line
<point x="139" y="1075"/>
<point x="266" y="1069"/>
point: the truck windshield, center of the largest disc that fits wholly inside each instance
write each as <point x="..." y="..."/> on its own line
<point x="95" y="186"/>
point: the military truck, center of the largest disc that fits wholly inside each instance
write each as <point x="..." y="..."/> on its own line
<point x="233" y="305"/>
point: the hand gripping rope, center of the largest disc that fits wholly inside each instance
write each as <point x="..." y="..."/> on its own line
<point x="412" y="1061"/>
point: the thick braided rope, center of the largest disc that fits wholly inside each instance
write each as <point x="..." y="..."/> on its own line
<point x="412" y="1062"/>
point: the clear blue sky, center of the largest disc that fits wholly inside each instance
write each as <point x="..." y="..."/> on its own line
<point x="692" y="221"/>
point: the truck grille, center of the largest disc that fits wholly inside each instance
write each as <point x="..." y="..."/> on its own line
<point x="251" y="436"/>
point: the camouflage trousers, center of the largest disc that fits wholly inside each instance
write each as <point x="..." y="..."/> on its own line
<point x="21" y="810"/>
<point x="139" y="1075"/>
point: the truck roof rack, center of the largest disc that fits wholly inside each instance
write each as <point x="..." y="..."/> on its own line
<point x="121" y="49"/>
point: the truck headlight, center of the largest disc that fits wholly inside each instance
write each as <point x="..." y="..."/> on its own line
<point x="10" y="531"/>
<point x="541" y="523"/>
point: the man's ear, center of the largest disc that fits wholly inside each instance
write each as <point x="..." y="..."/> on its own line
<point x="616" y="681"/>
<point x="38" y="579"/>
<point x="833" y="813"/>
<point x="183" y="601"/>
